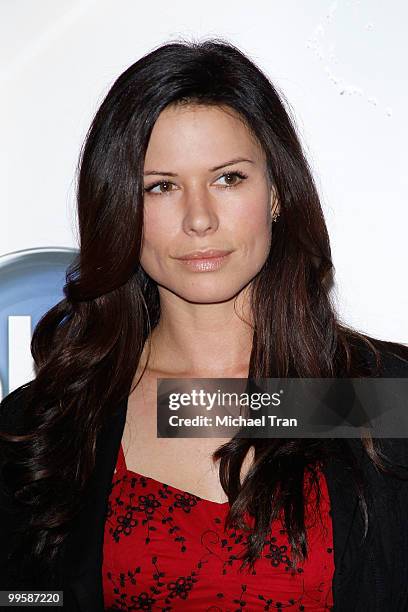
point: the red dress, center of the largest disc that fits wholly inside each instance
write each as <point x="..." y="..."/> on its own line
<point x="166" y="549"/>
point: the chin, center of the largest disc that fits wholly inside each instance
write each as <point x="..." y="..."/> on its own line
<point x="213" y="292"/>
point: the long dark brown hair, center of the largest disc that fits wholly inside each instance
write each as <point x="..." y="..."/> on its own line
<point x="81" y="346"/>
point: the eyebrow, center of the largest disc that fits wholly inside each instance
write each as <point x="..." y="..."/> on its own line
<point x="229" y="163"/>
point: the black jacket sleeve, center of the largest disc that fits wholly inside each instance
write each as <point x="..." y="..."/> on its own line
<point x="13" y="514"/>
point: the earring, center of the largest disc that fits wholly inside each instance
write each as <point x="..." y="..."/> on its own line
<point x="275" y="217"/>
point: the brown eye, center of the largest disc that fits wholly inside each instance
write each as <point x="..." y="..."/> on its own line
<point x="228" y="178"/>
<point x="160" y="184"/>
<point x="231" y="178"/>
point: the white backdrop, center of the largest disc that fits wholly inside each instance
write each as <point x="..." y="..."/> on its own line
<point x="341" y="65"/>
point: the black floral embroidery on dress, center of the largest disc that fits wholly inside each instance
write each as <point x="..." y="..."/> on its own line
<point x="126" y="523"/>
<point x="120" y="583"/>
<point x="109" y="510"/>
<point x="241" y="601"/>
<point x="185" y="501"/>
<point x="181" y="587"/>
<point x="143" y="601"/>
<point x="157" y="576"/>
<point x="223" y="546"/>
<point x="127" y="515"/>
<point x="148" y="503"/>
<point x="225" y="549"/>
<point x="277" y="554"/>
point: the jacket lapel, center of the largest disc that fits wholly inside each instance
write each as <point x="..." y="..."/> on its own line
<point x="81" y="561"/>
<point x="348" y="530"/>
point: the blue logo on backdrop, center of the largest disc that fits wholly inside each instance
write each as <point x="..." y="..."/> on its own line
<point x="31" y="282"/>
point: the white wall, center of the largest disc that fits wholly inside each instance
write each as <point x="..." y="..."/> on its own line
<point x="341" y="66"/>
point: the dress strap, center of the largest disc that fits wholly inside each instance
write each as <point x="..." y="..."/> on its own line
<point x="121" y="462"/>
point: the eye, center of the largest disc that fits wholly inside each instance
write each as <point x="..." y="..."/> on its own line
<point x="158" y="184"/>
<point x="233" y="175"/>
<point x="164" y="186"/>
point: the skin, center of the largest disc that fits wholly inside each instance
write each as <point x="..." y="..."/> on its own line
<point x="205" y="328"/>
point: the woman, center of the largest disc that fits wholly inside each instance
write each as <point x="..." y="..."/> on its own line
<point x="192" y="150"/>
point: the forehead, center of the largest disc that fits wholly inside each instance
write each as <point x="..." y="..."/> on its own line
<point x="186" y="134"/>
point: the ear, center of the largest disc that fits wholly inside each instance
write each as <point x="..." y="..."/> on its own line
<point x="274" y="202"/>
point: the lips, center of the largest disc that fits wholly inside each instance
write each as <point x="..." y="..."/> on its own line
<point x="206" y="260"/>
<point x="208" y="254"/>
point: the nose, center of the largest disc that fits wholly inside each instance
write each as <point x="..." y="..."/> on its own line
<point x="200" y="216"/>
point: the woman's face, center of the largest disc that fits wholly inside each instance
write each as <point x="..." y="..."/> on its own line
<point x="193" y="200"/>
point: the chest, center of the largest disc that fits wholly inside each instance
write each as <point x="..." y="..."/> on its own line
<point x="185" y="463"/>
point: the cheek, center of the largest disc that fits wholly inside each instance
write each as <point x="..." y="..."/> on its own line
<point x="253" y="225"/>
<point x="156" y="229"/>
<point x="157" y="234"/>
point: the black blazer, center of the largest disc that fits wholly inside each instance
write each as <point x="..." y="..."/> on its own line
<point x="371" y="576"/>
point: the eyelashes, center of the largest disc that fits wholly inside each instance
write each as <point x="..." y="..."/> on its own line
<point x="236" y="173"/>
